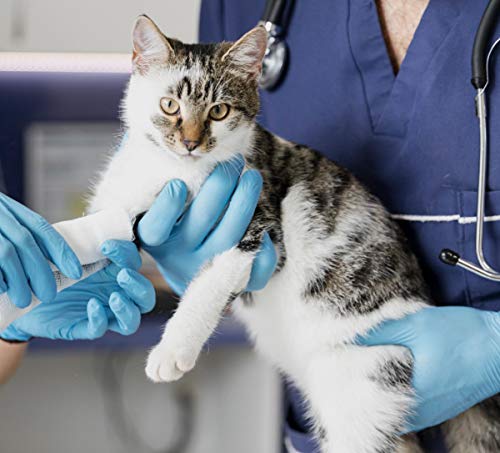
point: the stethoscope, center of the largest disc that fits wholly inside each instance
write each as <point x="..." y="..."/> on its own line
<point x="273" y="69"/>
<point x="480" y="79"/>
<point x="275" y="58"/>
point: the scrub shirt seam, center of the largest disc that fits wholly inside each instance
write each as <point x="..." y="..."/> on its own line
<point x="360" y="73"/>
<point x="363" y="84"/>
<point x="418" y="88"/>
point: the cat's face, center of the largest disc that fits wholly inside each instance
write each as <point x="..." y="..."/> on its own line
<point x="195" y="101"/>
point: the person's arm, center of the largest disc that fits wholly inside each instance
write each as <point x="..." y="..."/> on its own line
<point x="11" y="355"/>
<point x="456" y="354"/>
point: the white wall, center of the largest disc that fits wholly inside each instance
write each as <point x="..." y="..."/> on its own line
<point x="89" y="25"/>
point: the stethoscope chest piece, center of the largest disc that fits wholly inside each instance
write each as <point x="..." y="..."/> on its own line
<point x="274" y="19"/>
<point x="275" y="59"/>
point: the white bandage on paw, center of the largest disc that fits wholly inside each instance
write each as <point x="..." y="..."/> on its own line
<point x="85" y="236"/>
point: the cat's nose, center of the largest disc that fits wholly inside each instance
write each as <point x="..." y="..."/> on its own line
<point x="191" y="144"/>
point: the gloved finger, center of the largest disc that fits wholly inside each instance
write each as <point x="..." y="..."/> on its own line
<point x="264" y="265"/>
<point x="208" y="206"/>
<point x="107" y="274"/>
<point x="127" y="315"/>
<point x="122" y="253"/>
<point x="138" y="288"/>
<point x="238" y="216"/>
<point x="35" y="264"/>
<point x="95" y="326"/>
<point x="18" y="288"/>
<point x="392" y="332"/>
<point x="155" y="227"/>
<point x="48" y="239"/>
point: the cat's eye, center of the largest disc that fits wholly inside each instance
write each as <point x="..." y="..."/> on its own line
<point x="169" y="106"/>
<point x="219" y="111"/>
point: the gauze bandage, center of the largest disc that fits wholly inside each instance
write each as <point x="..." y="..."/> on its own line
<point x="85" y="236"/>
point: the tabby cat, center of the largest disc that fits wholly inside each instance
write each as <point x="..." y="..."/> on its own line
<point x="343" y="264"/>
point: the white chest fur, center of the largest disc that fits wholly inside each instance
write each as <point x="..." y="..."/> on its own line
<point x="137" y="173"/>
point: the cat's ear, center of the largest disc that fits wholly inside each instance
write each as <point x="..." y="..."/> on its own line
<point x="150" y="45"/>
<point x="248" y="52"/>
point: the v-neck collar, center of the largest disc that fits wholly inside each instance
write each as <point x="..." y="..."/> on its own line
<point x="390" y="98"/>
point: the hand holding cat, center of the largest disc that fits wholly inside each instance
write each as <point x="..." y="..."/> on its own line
<point x="457" y="359"/>
<point x="215" y="221"/>
<point x="111" y="299"/>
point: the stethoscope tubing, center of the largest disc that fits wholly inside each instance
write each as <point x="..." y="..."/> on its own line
<point x="484" y="269"/>
<point x="272" y="19"/>
<point x="273" y="12"/>
<point x="447" y="256"/>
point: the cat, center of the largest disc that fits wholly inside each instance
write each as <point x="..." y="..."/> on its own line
<point x="343" y="264"/>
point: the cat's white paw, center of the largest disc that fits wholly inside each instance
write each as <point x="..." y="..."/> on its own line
<point x="167" y="364"/>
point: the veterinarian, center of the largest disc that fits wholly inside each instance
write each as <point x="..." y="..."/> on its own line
<point x="383" y="88"/>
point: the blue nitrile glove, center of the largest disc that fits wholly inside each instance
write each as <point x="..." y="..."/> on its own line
<point x="111" y="299"/>
<point x="181" y="248"/>
<point x="457" y="359"/>
<point x="26" y="242"/>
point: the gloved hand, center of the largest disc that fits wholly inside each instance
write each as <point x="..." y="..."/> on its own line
<point x="111" y="299"/>
<point x="26" y="242"/>
<point x="180" y="248"/>
<point x="457" y="359"/>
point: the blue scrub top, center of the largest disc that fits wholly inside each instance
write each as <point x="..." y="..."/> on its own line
<point x="3" y="188"/>
<point x="412" y="138"/>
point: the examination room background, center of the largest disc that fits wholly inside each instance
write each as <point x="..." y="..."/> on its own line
<point x="63" y="67"/>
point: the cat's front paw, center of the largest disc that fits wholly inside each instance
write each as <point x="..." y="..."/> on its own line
<point x="167" y="364"/>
